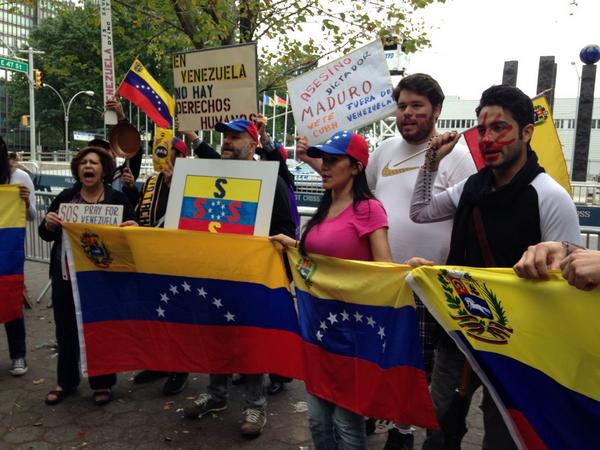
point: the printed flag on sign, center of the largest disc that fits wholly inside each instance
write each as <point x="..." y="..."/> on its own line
<point x="181" y="301"/>
<point x="546" y="144"/>
<point x="141" y="89"/>
<point x="224" y="205"/>
<point x="360" y="338"/>
<point x="534" y="345"/>
<point x="12" y="253"/>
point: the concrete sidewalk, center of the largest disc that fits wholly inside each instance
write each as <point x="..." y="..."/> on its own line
<point x="139" y="417"/>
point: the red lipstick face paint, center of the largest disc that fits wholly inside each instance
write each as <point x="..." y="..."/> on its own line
<point x="498" y="136"/>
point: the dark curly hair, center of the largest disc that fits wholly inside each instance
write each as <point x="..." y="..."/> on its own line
<point x="105" y="160"/>
<point x="511" y="99"/>
<point x="4" y="163"/>
<point x="421" y="84"/>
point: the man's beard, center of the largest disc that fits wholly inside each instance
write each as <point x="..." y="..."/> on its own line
<point x="423" y="131"/>
<point x="241" y="153"/>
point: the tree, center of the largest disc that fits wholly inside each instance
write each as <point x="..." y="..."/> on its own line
<point x="72" y="63"/>
<point x="286" y="29"/>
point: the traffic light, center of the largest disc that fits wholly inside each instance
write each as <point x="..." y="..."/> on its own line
<point x="38" y="76"/>
<point x="25" y="120"/>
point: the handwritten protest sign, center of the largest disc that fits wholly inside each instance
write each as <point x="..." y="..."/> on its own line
<point x="222" y="196"/>
<point x="91" y="213"/>
<point x="214" y="85"/>
<point x="346" y="94"/>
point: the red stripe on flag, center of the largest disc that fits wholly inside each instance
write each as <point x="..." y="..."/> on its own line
<point x="11" y="296"/>
<point x="220" y="227"/>
<point x="472" y="138"/>
<point x="119" y="346"/>
<point x="135" y="96"/>
<point x="528" y="434"/>
<point x="399" y="394"/>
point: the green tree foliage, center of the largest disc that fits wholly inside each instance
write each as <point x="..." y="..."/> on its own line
<point x="72" y="63"/>
<point x="293" y="35"/>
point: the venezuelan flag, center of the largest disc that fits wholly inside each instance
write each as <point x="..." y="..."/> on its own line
<point x="533" y="343"/>
<point x="141" y="89"/>
<point x="361" y="340"/>
<point x="181" y="301"/>
<point x="12" y="253"/>
<point x="546" y="144"/>
<point x="217" y="204"/>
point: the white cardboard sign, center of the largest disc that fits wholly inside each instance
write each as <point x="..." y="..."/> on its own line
<point x="222" y="196"/>
<point x="346" y="94"/>
<point x="96" y="214"/>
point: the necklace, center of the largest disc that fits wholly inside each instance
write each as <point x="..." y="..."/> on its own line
<point x="97" y="199"/>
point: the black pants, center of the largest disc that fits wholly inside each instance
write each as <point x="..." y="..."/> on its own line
<point x="15" y="334"/>
<point x="68" y="339"/>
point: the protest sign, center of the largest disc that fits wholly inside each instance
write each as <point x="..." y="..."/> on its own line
<point x="345" y="94"/>
<point x="215" y="85"/>
<point x="222" y="196"/>
<point x="91" y="213"/>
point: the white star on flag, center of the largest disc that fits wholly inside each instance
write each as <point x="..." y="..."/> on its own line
<point x="371" y="322"/>
<point x="230" y="317"/>
<point x="217" y="302"/>
<point x="201" y="292"/>
<point x="323" y="325"/>
<point x="319" y="336"/>
<point x="186" y="287"/>
<point x="160" y="311"/>
<point x="381" y="332"/>
<point x="164" y="298"/>
<point x="173" y="289"/>
<point x="332" y="318"/>
<point x="345" y="316"/>
<point x="358" y="317"/>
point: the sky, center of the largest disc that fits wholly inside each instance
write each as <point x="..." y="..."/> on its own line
<point x="471" y="39"/>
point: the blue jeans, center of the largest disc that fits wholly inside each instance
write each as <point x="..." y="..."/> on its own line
<point x="335" y="428"/>
<point x="254" y="386"/>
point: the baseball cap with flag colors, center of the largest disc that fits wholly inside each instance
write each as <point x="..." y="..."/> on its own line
<point x="239" y="125"/>
<point x="343" y="143"/>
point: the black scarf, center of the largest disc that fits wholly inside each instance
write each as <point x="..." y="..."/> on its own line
<point x="479" y="191"/>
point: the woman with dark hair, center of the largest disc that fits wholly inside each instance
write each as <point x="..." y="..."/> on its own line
<point x="15" y="329"/>
<point x="90" y="168"/>
<point x="351" y="224"/>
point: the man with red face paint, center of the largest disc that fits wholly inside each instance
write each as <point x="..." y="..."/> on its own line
<point x="498" y="213"/>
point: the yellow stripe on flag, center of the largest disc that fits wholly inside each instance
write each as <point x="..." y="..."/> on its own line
<point x="140" y="70"/>
<point x="381" y="284"/>
<point x="12" y="208"/>
<point x="546" y="144"/>
<point x="175" y="252"/>
<point x="547" y="325"/>
<point x="244" y="190"/>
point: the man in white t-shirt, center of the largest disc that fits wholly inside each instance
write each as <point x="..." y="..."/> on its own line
<point x="391" y="175"/>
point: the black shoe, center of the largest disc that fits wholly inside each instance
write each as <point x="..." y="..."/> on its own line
<point x="238" y="379"/>
<point x="148" y="376"/>
<point x="370" y="426"/>
<point x="175" y="384"/>
<point x="399" y="441"/>
<point x="275" y="387"/>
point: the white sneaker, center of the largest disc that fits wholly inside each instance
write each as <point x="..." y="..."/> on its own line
<point x="19" y="367"/>
<point x="254" y="422"/>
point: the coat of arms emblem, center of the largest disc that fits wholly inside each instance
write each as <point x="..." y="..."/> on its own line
<point x="306" y="268"/>
<point x="475" y="307"/>
<point x="95" y="249"/>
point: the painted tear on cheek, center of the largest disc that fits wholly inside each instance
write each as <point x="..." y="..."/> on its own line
<point x="421" y="116"/>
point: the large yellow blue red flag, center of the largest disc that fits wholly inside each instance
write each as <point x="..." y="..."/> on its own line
<point x="546" y="144"/>
<point x="181" y="301"/>
<point x="141" y="89"/>
<point x="12" y="253"/>
<point x="533" y="343"/>
<point x="360" y="338"/>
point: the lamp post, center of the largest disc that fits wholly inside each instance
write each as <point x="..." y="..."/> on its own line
<point x="66" y="109"/>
